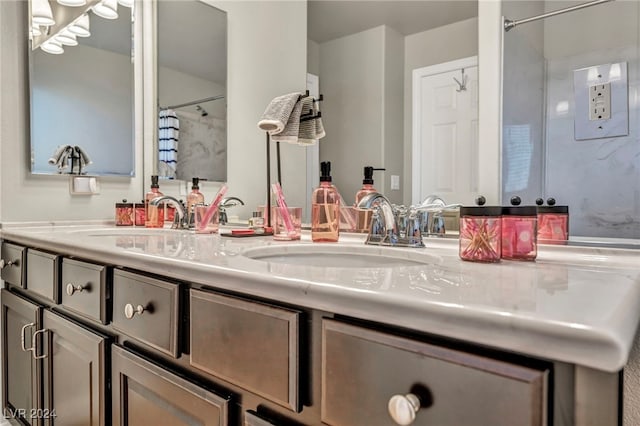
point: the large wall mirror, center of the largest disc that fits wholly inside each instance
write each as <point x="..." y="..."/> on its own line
<point x="364" y="53"/>
<point x="84" y="98"/>
<point x="549" y="65"/>
<point x="192" y="105"/>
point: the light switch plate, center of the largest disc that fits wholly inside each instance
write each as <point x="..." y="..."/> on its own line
<point x="601" y="101"/>
<point x="84" y="185"/>
<point x="395" y="182"/>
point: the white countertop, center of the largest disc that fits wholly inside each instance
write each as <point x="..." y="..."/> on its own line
<point x="579" y="305"/>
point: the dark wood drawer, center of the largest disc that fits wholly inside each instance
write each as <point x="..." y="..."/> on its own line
<point x="13" y="269"/>
<point x="147" y="309"/>
<point x="43" y="273"/>
<point x="85" y="288"/>
<point x="147" y="394"/>
<point x="252" y="345"/>
<point x="363" y="369"/>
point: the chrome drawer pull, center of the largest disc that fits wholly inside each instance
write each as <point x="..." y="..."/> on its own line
<point x="23" y="338"/>
<point x="403" y="408"/>
<point x="70" y="288"/>
<point x="130" y="311"/>
<point x="34" y="348"/>
<point x="3" y="263"/>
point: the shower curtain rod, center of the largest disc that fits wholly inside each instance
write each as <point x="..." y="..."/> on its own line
<point x="199" y="101"/>
<point x="508" y="24"/>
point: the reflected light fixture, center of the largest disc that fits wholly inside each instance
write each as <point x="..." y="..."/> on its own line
<point x="126" y="3"/>
<point x="35" y="30"/>
<point x="107" y="9"/>
<point x="52" y="46"/>
<point x="66" y="37"/>
<point x="41" y="13"/>
<point x="72" y="3"/>
<point x="80" y="26"/>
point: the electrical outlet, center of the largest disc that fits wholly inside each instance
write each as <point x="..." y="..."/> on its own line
<point x="600" y="102"/>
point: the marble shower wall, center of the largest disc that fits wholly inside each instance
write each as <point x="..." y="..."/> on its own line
<point x="598" y="179"/>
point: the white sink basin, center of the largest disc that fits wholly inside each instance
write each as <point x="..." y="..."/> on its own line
<point x="341" y="256"/>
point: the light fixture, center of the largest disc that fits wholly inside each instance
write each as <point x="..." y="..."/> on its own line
<point x="66" y="37"/>
<point x="35" y="30"/>
<point x="80" y="26"/>
<point x="126" y="3"/>
<point x="107" y="9"/>
<point x="52" y="46"/>
<point x="72" y="3"/>
<point x="41" y="13"/>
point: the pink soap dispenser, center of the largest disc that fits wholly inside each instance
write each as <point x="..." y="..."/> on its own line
<point x="325" y="208"/>
<point x="364" y="215"/>
<point x="519" y="231"/>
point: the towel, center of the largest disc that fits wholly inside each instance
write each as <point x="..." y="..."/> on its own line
<point x="168" y="136"/>
<point x="292" y="128"/>
<point x="275" y="117"/>
<point x="64" y="153"/>
<point x="311" y="129"/>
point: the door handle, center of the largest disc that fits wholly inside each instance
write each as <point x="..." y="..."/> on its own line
<point x="23" y="338"/>
<point x="34" y="347"/>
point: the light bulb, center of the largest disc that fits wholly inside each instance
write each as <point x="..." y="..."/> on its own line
<point x="80" y="26"/>
<point x="107" y="9"/>
<point x="72" y="3"/>
<point x="52" y="46"/>
<point x="41" y="13"/>
<point x="67" y="37"/>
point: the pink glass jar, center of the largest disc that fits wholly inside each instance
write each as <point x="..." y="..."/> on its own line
<point x="480" y="233"/>
<point x="519" y="231"/>
<point x="553" y="221"/>
<point x="139" y="216"/>
<point x="124" y="213"/>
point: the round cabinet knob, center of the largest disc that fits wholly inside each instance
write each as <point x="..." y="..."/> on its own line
<point x="70" y="289"/>
<point x="4" y="263"/>
<point x="130" y="311"/>
<point x="403" y="408"/>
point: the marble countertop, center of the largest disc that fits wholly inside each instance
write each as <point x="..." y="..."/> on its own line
<point x="579" y="305"/>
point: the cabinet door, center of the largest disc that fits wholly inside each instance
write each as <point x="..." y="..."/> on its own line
<point x="20" y="319"/>
<point x="144" y="393"/>
<point x="74" y="375"/>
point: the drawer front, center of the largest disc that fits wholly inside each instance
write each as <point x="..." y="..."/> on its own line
<point x="252" y="345"/>
<point x="146" y="394"/>
<point x="363" y="369"/>
<point x="251" y="418"/>
<point x="146" y="309"/>
<point x="13" y="270"/>
<point x="85" y="288"/>
<point x="43" y="271"/>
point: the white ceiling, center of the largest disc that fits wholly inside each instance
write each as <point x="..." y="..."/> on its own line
<point x="330" y="19"/>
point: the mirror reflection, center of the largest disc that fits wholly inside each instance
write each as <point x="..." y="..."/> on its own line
<point x="192" y="74"/>
<point x="365" y="54"/>
<point x="84" y="98"/>
<point x="552" y="146"/>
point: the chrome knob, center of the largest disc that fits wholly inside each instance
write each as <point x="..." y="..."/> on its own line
<point x="70" y="289"/>
<point x="403" y="408"/>
<point x="4" y="263"/>
<point x="130" y="311"/>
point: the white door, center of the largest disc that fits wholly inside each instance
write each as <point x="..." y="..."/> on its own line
<point x="445" y="131"/>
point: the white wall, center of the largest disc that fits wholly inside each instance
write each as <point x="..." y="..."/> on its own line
<point x="393" y="113"/>
<point x="422" y="50"/>
<point x="27" y="197"/>
<point x="352" y="82"/>
<point x="178" y="87"/>
<point x="313" y="57"/>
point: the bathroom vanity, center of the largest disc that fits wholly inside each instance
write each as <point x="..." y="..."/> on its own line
<point x="105" y="325"/>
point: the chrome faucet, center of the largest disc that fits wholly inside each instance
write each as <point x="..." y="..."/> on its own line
<point x="226" y="203"/>
<point x="384" y="229"/>
<point x="181" y="221"/>
<point x="431" y="209"/>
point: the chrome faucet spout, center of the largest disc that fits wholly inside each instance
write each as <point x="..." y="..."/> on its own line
<point x="226" y="203"/>
<point x="388" y="232"/>
<point x="181" y="220"/>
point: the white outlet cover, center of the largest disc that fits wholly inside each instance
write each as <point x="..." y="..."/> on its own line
<point x="395" y="182"/>
<point x="586" y="126"/>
